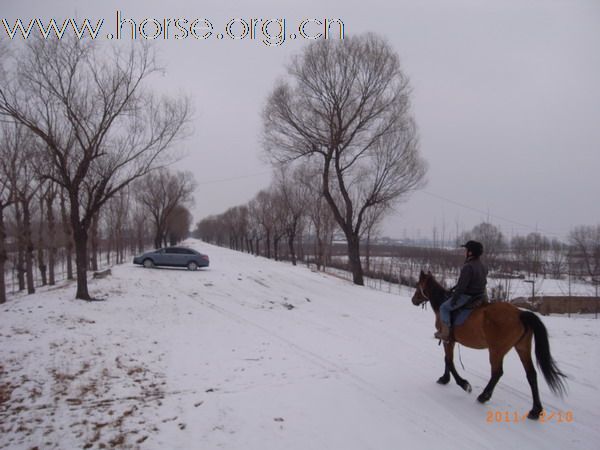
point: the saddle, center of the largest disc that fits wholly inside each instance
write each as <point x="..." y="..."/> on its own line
<point x="476" y="301"/>
<point x="460" y="315"/>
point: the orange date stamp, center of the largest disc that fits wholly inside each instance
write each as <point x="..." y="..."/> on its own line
<point x="501" y="416"/>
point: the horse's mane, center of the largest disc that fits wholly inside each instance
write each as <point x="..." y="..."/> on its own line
<point x="437" y="292"/>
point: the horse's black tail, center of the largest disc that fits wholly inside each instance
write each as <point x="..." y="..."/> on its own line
<point x="546" y="363"/>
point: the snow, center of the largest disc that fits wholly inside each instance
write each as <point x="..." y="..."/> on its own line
<point x="256" y="354"/>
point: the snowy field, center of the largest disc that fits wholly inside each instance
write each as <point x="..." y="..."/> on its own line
<point x="254" y="354"/>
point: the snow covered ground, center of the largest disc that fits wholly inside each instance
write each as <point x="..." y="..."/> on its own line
<point x="256" y="354"/>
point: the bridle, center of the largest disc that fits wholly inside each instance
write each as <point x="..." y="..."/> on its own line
<point x="427" y="299"/>
<point x="423" y="295"/>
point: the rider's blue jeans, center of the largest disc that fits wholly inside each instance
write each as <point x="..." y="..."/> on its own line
<point x="446" y="308"/>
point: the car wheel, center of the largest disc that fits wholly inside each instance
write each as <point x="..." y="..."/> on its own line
<point x="148" y="264"/>
<point x="192" y="266"/>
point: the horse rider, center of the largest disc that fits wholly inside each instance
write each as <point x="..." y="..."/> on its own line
<point x="471" y="285"/>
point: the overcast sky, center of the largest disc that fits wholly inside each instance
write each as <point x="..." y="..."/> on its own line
<point x="506" y="95"/>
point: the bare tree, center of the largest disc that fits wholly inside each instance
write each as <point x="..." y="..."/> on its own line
<point x="558" y="258"/>
<point x="373" y="219"/>
<point x="101" y="130"/>
<point x="262" y="208"/>
<point x="115" y="217"/>
<point x="161" y="192"/>
<point x="178" y="224"/>
<point x="295" y="197"/>
<point x="585" y="241"/>
<point x="25" y="185"/>
<point x="6" y="200"/>
<point x="530" y="251"/>
<point x="139" y="226"/>
<point x="346" y="106"/>
<point x="320" y="215"/>
<point x="255" y="230"/>
<point x="68" y="233"/>
<point x="490" y="236"/>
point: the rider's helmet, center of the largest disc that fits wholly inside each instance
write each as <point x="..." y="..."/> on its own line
<point x="476" y="248"/>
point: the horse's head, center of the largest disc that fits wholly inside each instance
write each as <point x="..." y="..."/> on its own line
<point x="421" y="294"/>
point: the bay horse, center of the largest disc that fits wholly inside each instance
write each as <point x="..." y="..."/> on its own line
<point x="497" y="327"/>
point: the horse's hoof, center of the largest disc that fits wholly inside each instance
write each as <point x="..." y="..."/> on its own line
<point x="534" y="414"/>
<point x="483" y="397"/>
<point x="443" y="380"/>
<point x="466" y="386"/>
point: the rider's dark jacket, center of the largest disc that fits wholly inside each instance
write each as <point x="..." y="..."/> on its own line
<point x="472" y="279"/>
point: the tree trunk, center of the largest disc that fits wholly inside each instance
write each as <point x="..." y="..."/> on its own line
<point x="354" y="259"/>
<point x="20" y="248"/>
<point x="368" y="252"/>
<point x="108" y="250"/>
<point x="158" y="238"/>
<point x="51" y="239"/>
<point x="292" y="249"/>
<point x="3" y="256"/>
<point x="28" y="246"/>
<point x="67" y="228"/>
<point x="268" y="245"/>
<point x="94" y="243"/>
<point x="80" y="236"/>
<point x="320" y="253"/>
<point x="276" y="248"/>
<point x="40" y="250"/>
<point x="140" y="238"/>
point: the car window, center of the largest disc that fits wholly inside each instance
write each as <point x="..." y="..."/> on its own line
<point x="172" y="250"/>
<point x="188" y="252"/>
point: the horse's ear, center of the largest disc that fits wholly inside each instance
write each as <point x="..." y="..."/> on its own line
<point x="429" y="272"/>
<point x="422" y="274"/>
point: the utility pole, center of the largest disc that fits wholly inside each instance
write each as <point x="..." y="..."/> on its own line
<point x="532" y="282"/>
<point x="596" y="282"/>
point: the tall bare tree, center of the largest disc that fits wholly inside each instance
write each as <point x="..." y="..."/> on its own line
<point x="50" y="195"/>
<point x="263" y="209"/>
<point x="178" y="224"/>
<point x="161" y="192"/>
<point x="100" y="128"/>
<point x="6" y="200"/>
<point x="25" y="185"/>
<point x="115" y="216"/>
<point x="346" y="105"/>
<point x="295" y="197"/>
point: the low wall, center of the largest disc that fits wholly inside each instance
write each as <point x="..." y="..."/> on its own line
<point x="559" y="304"/>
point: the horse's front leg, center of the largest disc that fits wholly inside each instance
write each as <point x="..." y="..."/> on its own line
<point x="450" y="369"/>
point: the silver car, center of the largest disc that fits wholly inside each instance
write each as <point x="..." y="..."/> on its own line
<point x="173" y="257"/>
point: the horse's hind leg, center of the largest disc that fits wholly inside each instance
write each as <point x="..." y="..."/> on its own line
<point x="496" y="358"/>
<point x="523" y="348"/>
<point x="450" y="369"/>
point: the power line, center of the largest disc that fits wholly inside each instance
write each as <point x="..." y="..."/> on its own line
<point x="487" y="213"/>
<point x="431" y="194"/>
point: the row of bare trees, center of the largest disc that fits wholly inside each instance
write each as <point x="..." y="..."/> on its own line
<point x="537" y="255"/>
<point x="341" y="131"/>
<point x="279" y="222"/>
<point x="36" y="234"/>
<point x="80" y="126"/>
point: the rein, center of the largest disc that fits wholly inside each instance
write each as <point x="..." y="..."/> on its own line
<point x="427" y="299"/>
